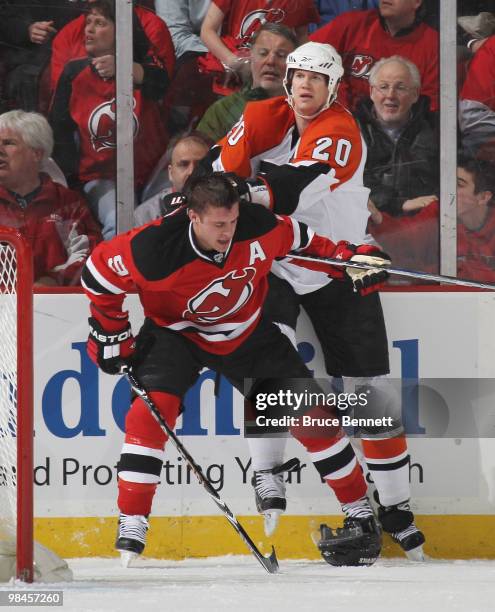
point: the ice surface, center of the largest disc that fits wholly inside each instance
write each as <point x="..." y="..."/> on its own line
<point x="239" y="584"/>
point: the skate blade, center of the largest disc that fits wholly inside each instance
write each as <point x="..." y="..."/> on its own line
<point x="127" y="558"/>
<point x="416" y="555"/>
<point x="271" y="522"/>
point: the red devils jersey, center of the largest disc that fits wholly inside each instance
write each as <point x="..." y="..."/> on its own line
<point x="49" y="219"/>
<point x="477" y="104"/>
<point x="214" y="304"/>
<point x="68" y="44"/>
<point x="243" y="17"/>
<point x="361" y="40"/>
<point x="413" y="242"/>
<point x="85" y="103"/>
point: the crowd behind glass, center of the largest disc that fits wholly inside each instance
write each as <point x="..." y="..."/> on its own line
<point x="196" y="64"/>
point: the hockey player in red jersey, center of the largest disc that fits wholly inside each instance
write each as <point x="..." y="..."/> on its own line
<point x="281" y="138"/>
<point x="201" y="274"/>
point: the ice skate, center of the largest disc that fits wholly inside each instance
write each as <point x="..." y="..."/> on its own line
<point x="398" y="522"/>
<point x="269" y="490"/>
<point x="131" y="537"/>
<point x="358" y="542"/>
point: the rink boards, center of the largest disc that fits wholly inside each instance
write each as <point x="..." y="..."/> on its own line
<point x="79" y="417"/>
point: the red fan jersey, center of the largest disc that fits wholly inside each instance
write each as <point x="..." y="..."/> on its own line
<point x="53" y="220"/>
<point x="334" y="204"/>
<point x="214" y="299"/>
<point x="68" y="44"/>
<point x="243" y="17"/>
<point x="84" y="102"/>
<point x="414" y="242"/>
<point x="477" y="103"/>
<point x="361" y="39"/>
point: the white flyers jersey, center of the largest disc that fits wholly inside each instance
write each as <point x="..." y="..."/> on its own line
<point x="333" y="204"/>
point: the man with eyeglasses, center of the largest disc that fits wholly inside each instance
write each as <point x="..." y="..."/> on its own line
<point x="402" y="168"/>
<point x="271" y="45"/>
<point x="364" y="37"/>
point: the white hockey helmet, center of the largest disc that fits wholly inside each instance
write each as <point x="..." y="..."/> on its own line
<point x="315" y="57"/>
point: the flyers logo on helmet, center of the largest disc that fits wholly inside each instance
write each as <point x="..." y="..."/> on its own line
<point x="222" y="298"/>
<point x="361" y="66"/>
<point x="101" y="126"/>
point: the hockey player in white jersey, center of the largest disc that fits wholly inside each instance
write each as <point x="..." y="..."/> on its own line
<point x="284" y="141"/>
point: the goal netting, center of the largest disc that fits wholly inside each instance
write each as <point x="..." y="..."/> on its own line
<point x="19" y="556"/>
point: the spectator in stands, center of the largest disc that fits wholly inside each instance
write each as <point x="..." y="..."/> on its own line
<point x="271" y="45"/>
<point x="56" y="221"/>
<point x="237" y="22"/>
<point x="183" y="154"/>
<point x="364" y="37"/>
<point x="149" y="31"/>
<point x="329" y="9"/>
<point x="414" y="241"/>
<point x="83" y="115"/>
<point x="28" y="27"/>
<point x="184" y="19"/>
<point x="477" y="104"/>
<point x="402" y="167"/>
<point x="190" y="92"/>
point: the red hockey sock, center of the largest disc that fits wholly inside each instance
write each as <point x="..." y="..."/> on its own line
<point x="335" y="460"/>
<point x="140" y="463"/>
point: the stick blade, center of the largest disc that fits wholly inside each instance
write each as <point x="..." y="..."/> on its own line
<point x="270" y="562"/>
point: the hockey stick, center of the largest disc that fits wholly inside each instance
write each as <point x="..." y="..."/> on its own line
<point x="439" y="278"/>
<point x="270" y="562"/>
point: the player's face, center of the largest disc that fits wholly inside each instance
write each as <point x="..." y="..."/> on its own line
<point x="393" y="94"/>
<point x="214" y="228"/>
<point x="99" y="35"/>
<point x="185" y="158"/>
<point x="390" y="9"/>
<point x="310" y="91"/>
<point x="19" y="164"/>
<point x="268" y="57"/>
<point x="469" y="202"/>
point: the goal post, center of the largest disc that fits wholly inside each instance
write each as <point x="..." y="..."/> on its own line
<point x="16" y="398"/>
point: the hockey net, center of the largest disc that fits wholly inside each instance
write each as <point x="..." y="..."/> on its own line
<point x="19" y="556"/>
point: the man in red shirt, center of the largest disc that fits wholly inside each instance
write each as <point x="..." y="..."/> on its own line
<point x="56" y="221"/>
<point x="414" y="241"/>
<point x="477" y="103"/>
<point x="364" y="37"/>
<point x="201" y="275"/>
<point x="237" y="22"/>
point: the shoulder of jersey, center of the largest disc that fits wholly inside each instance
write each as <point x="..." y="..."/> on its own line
<point x="161" y="248"/>
<point x="337" y="118"/>
<point x="254" y="221"/>
<point x="271" y="107"/>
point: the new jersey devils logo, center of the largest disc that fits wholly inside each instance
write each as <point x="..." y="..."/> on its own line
<point x="222" y="298"/>
<point x="101" y="125"/>
<point x="361" y="66"/>
<point x="254" y="20"/>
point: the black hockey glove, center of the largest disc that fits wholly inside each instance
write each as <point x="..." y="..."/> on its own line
<point x="285" y="183"/>
<point x="110" y="349"/>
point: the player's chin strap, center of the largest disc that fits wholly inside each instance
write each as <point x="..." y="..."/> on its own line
<point x="438" y="278"/>
<point x="269" y="562"/>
